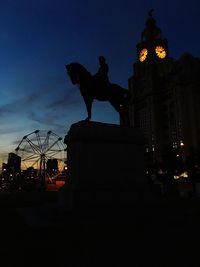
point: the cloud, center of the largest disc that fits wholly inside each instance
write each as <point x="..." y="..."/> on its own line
<point x="23" y="104"/>
<point x="8" y="130"/>
<point x="5" y="110"/>
<point x="45" y="119"/>
<point x="40" y="118"/>
<point x="56" y="93"/>
<point x="69" y="99"/>
<point x="17" y="105"/>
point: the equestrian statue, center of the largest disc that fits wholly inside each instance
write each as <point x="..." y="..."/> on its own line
<point x="99" y="87"/>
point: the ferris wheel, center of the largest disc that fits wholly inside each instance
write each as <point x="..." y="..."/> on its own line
<point x="41" y="149"/>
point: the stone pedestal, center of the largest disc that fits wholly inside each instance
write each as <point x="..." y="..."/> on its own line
<point x="105" y="165"/>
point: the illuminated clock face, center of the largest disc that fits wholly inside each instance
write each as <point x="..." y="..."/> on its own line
<point x="160" y="52"/>
<point x="143" y="54"/>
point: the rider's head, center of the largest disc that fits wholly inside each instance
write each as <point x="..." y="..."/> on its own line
<point x="102" y="59"/>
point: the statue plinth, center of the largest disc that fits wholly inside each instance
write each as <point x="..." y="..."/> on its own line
<point x="105" y="164"/>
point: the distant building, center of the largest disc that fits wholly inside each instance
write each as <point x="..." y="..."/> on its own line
<point x="52" y="166"/>
<point x="14" y="164"/>
<point x="166" y="98"/>
<point x="5" y="171"/>
<point x="31" y="173"/>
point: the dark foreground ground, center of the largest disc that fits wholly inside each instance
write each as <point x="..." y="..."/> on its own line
<point x="162" y="232"/>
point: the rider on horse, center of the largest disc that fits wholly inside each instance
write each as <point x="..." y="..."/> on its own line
<point x="102" y="75"/>
<point x="98" y="87"/>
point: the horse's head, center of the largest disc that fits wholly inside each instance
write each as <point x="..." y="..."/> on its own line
<point x="76" y="72"/>
<point x="71" y="71"/>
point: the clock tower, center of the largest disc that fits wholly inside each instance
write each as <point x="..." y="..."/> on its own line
<point x="152" y="51"/>
<point x="148" y="88"/>
<point x="152" y="46"/>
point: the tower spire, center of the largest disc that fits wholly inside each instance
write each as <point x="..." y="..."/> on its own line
<point x="150" y="13"/>
<point x="151" y="30"/>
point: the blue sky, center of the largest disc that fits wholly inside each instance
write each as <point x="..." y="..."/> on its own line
<point x="37" y="39"/>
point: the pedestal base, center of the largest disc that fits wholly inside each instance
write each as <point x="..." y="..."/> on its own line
<point x="105" y="165"/>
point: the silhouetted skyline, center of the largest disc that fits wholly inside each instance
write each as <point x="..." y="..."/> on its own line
<point x="38" y="38"/>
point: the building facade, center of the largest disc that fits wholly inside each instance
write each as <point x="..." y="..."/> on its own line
<point x="14" y="164"/>
<point x="166" y="98"/>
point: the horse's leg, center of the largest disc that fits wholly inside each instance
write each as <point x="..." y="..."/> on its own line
<point x="88" y="103"/>
<point x="117" y="108"/>
<point x="123" y="112"/>
<point x="125" y="115"/>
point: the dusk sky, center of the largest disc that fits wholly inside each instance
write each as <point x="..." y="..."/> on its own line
<point x="37" y="39"/>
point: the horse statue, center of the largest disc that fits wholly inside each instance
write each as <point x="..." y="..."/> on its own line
<point x="92" y="88"/>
